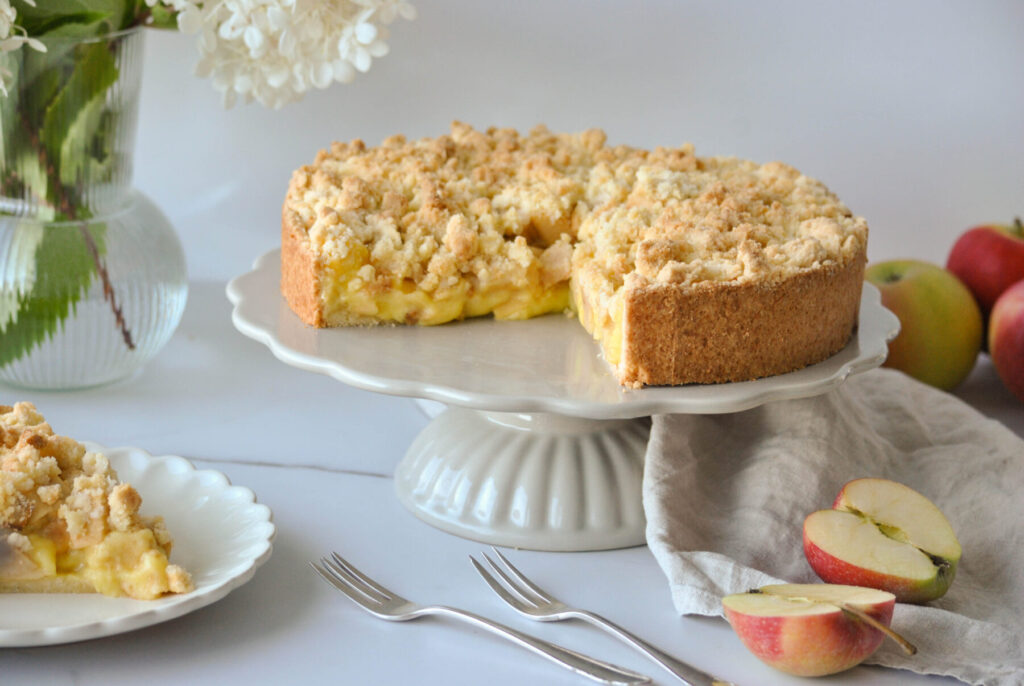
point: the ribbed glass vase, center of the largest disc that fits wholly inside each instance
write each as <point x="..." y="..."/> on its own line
<point x="92" y="275"/>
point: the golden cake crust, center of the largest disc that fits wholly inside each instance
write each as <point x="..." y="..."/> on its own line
<point x="53" y="584"/>
<point x="299" y="282"/>
<point x="722" y="333"/>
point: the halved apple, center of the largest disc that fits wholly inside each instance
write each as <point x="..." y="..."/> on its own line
<point x="884" y="535"/>
<point x="810" y="629"/>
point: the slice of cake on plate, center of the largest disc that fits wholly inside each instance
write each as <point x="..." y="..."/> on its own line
<point x="68" y="525"/>
<point x="685" y="269"/>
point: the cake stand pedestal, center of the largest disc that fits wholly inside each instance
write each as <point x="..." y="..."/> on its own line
<point x="540" y="447"/>
<point x="540" y="481"/>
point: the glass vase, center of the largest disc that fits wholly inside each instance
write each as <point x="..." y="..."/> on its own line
<point x="92" y="274"/>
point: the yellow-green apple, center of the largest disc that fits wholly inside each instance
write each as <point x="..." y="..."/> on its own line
<point x="884" y="535"/>
<point x="989" y="259"/>
<point x="1006" y="338"/>
<point x="940" y="323"/>
<point x="810" y="629"/>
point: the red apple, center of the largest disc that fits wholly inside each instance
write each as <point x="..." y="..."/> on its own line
<point x="810" y="629"/>
<point x="940" y="324"/>
<point x="885" y="535"/>
<point x="1006" y="338"/>
<point x="989" y="259"/>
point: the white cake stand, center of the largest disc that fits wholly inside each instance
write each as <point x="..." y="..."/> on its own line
<point x="540" y="448"/>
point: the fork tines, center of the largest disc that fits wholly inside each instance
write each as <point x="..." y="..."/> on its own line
<point x="522" y="578"/>
<point x="346" y="578"/>
<point x="365" y="581"/>
<point x="520" y="597"/>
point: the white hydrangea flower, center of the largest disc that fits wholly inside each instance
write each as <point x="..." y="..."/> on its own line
<point x="13" y="37"/>
<point x="273" y="51"/>
<point x="7" y="17"/>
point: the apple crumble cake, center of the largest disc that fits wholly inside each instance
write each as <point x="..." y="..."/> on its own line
<point x="685" y="269"/>
<point x="67" y="525"/>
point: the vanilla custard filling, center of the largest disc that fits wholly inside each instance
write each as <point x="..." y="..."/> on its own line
<point x="129" y="564"/>
<point x="603" y="321"/>
<point x="403" y="301"/>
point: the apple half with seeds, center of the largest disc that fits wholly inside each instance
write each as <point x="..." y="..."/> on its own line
<point x="812" y="629"/>
<point x="884" y="535"/>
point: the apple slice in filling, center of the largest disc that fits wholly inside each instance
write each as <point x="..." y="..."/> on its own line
<point x="17" y="563"/>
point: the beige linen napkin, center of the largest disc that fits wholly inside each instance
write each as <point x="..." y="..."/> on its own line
<point x="726" y="495"/>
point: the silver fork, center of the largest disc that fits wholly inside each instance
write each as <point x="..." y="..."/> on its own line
<point x="380" y="602"/>
<point x="534" y="602"/>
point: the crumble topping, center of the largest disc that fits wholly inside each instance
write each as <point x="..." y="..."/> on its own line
<point x="726" y="220"/>
<point x="52" y="487"/>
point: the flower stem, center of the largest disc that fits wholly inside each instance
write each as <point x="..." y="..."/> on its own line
<point x="108" y="288"/>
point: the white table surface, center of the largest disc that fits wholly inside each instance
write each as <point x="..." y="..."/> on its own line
<point x="912" y="112"/>
<point x="321" y="455"/>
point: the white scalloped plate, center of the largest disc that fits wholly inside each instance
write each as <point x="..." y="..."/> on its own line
<point x="221" y="535"/>
<point x="547" y="364"/>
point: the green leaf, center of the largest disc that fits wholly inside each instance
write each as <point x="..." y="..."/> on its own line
<point x="34" y="87"/>
<point x="85" y="151"/>
<point x="32" y="176"/>
<point x="63" y="272"/>
<point x="9" y="111"/>
<point x="93" y="74"/>
<point x="42" y="76"/>
<point x="18" y="110"/>
<point x="61" y="130"/>
<point x="163" y="17"/>
<point x="54" y="16"/>
<point x="20" y="250"/>
<point x="78" y="26"/>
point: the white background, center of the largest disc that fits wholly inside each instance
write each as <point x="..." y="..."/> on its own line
<point x="912" y="112"/>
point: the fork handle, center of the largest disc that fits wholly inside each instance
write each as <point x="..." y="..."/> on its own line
<point x="690" y="675"/>
<point x="598" y="670"/>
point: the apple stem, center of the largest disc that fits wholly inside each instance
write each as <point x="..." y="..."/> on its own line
<point x="908" y="647"/>
<point x="1018" y="228"/>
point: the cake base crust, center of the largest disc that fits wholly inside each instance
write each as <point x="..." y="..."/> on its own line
<point x="718" y="334"/>
<point x="299" y="282"/>
<point x="58" y="584"/>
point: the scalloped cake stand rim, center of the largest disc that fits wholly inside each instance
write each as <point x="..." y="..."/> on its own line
<point x="434" y="365"/>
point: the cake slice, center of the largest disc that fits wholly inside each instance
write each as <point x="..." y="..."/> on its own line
<point x="729" y="271"/>
<point x="68" y="525"/>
